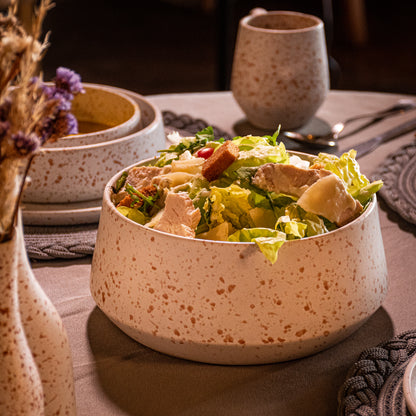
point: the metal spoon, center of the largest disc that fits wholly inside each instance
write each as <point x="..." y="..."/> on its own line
<point x="330" y="139"/>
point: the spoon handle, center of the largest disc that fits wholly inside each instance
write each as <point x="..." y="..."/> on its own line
<point x="371" y="144"/>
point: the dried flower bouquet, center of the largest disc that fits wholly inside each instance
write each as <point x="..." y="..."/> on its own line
<point x="31" y="112"/>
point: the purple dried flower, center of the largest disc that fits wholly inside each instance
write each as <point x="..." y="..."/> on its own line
<point x="44" y="129"/>
<point x="47" y="90"/>
<point x="5" y="109"/>
<point x="68" y="80"/>
<point x="4" y="128"/>
<point x="64" y="124"/>
<point x="63" y="100"/>
<point x="71" y="124"/>
<point x="25" y="144"/>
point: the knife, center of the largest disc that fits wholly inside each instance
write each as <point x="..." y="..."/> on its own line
<point x="371" y="144"/>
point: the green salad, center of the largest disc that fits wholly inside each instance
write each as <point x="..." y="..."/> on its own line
<point x="248" y="189"/>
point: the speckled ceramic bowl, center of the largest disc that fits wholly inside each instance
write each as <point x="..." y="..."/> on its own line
<point x="74" y="174"/>
<point x="103" y="114"/>
<point x="224" y="303"/>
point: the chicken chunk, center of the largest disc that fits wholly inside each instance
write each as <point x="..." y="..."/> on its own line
<point x="142" y="176"/>
<point x="320" y="191"/>
<point x="287" y="179"/>
<point x="179" y="216"/>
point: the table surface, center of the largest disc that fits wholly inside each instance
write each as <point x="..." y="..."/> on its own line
<point x="115" y="375"/>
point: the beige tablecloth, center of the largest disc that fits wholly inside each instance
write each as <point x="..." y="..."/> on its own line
<point x="114" y="375"/>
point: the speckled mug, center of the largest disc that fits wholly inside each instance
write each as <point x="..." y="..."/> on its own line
<point x="280" y="70"/>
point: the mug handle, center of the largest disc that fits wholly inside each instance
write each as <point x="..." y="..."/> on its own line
<point x="257" y="11"/>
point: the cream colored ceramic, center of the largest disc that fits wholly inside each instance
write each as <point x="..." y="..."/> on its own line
<point x="46" y="337"/>
<point x="409" y="386"/>
<point x="101" y="105"/>
<point x="36" y="375"/>
<point x="74" y="174"/>
<point x="21" y="390"/>
<point x="223" y="302"/>
<point x="280" y="70"/>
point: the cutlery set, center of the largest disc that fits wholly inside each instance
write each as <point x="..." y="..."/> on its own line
<point x="332" y="139"/>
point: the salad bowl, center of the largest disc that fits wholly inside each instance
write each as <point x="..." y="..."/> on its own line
<point x="79" y="173"/>
<point x="223" y="302"/>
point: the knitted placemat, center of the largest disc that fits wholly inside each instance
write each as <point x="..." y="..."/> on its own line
<point x="398" y="173"/>
<point x="186" y="123"/>
<point x="60" y="242"/>
<point x="374" y="383"/>
<point x="76" y="241"/>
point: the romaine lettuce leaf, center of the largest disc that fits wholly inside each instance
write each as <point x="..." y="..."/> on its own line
<point x="229" y="204"/>
<point x="292" y="228"/>
<point x="314" y="224"/>
<point x="256" y="151"/>
<point x="268" y="241"/>
<point x="133" y="214"/>
<point x="365" y="193"/>
<point x="347" y="168"/>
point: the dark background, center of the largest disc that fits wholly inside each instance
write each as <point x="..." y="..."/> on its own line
<point x="180" y="46"/>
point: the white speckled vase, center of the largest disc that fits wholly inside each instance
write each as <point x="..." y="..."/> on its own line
<point x="20" y="385"/>
<point x="46" y="337"/>
<point x="280" y="70"/>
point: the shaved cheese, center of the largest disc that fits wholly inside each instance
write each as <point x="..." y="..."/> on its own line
<point x="193" y="165"/>
<point x="329" y="198"/>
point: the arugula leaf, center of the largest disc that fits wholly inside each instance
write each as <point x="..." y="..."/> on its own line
<point x="139" y="198"/>
<point x="192" y="144"/>
<point x="206" y="134"/>
<point x="273" y="139"/>
<point x="120" y="182"/>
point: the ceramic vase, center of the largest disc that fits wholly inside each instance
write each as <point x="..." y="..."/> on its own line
<point x="40" y="380"/>
<point x="21" y="391"/>
<point x="47" y="338"/>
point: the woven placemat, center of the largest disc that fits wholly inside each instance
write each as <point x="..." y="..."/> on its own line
<point x="373" y="386"/>
<point x="61" y="242"/>
<point x="72" y="242"/>
<point x="398" y="173"/>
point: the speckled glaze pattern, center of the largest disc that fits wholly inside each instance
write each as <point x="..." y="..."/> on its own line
<point x="75" y="174"/>
<point x="20" y="385"/>
<point x="280" y="76"/>
<point x="103" y="105"/>
<point x="47" y="339"/>
<point x="224" y="303"/>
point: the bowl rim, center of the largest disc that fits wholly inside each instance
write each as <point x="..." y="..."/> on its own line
<point x="109" y="189"/>
<point x="135" y="116"/>
<point x="152" y="125"/>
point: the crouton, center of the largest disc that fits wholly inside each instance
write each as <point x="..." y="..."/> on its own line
<point x="128" y="201"/>
<point x="220" y="160"/>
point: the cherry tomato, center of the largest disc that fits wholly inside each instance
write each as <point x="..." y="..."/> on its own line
<point x="205" y="152"/>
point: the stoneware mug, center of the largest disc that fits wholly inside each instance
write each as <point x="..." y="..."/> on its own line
<point x="280" y="69"/>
